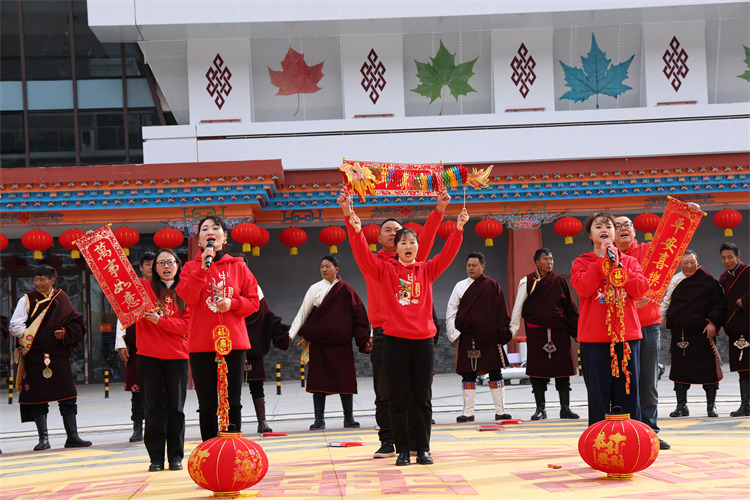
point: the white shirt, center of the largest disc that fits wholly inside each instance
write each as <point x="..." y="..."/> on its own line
<point x="676" y="280"/>
<point x="18" y="321"/>
<point x="450" y="313"/>
<point x="313" y="298"/>
<point x="120" y="337"/>
<point x="515" y="317"/>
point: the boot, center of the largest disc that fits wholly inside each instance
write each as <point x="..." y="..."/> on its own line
<point x="319" y="405"/>
<point x="260" y="413"/>
<point x="469" y="397"/>
<point x="71" y="429"/>
<point x="137" y="431"/>
<point x="41" y="427"/>
<point x="347" y="403"/>
<point x="497" y="390"/>
<point x="744" y="409"/>
<point x="682" y="409"/>
<point x="565" y="411"/>
<point x="541" y="404"/>
<point x="711" y="399"/>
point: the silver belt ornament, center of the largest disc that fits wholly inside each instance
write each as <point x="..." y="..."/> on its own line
<point x="741" y="344"/>
<point x="550" y="346"/>
<point x="47" y="372"/>
<point x="683" y="344"/>
<point x="474" y="354"/>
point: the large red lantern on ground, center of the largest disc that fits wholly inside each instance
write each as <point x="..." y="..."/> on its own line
<point x="332" y="236"/>
<point x="168" y="238"/>
<point x="68" y="241"/>
<point x="488" y="229"/>
<point x="293" y="237"/>
<point x="260" y="240"/>
<point x="568" y="227"/>
<point x="227" y="464"/>
<point x="3" y="242"/>
<point x="372" y="235"/>
<point x="38" y="241"/>
<point x="619" y="446"/>
<point x="245" y="233"/>
<point x="446" y="228"/>
<point x="127" y="237"/>
<point x="727" y="219"/>
<point x="414" y="226"/>
<point x="647" y="223"/>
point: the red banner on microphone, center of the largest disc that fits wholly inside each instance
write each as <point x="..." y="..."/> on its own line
<point x="115" y="275"/>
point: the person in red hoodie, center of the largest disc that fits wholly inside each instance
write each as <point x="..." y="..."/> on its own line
<point x="404" y="287"/>
<point x="220" y="291"/>
<point x="608" y="283"/>
<point x="161" y="341"/>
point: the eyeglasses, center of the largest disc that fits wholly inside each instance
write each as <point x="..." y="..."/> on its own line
<point x="164" y="263"/>
<point x="624" y="225"/>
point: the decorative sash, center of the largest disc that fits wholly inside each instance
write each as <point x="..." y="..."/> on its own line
<point x="27" y="339"/>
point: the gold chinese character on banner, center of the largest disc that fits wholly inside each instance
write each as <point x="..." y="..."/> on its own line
<point x="102" y="250"/>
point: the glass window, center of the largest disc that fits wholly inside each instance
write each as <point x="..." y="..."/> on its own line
<point x="12" y="152"/>
<point x="46" y="40"/>
<point x="51" y="138"/>
<point x="102" y="136"/>
<point x="137" y="119"/>
<point x="10" y="44"/>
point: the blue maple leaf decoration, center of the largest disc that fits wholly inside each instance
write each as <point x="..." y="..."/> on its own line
<point x="596" y="77"/>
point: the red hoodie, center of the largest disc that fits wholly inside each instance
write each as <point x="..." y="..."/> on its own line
<point x="587" y="278"/>
<point x="166" y="339"/>
<point x="227" y="277"/>
<point x="650" y="314"/>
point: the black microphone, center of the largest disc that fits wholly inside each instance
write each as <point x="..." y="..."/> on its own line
<point x="610" y="253"/>
<point x="210" y="258"/>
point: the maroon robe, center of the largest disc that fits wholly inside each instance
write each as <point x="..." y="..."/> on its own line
<point x="34" y="388"/>
<point x="736" y="285"/>
<point x="549" y="305"/>
<point x="330" y="329"/>
<point x="695" y="301"/>
<point x="482" y="318"/>
<point x="263" y="326"/>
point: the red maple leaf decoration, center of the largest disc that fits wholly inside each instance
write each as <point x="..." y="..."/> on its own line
<point x="296" y="77"/>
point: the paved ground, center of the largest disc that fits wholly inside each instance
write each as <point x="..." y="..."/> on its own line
<point x="709" y="457"/>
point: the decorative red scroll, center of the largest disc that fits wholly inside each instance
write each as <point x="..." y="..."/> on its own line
<point x="115" y="275"/>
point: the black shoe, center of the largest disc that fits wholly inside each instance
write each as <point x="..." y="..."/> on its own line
<point x="76" y="442"/>
<point x="711" y="411"/>
<point x="680" y="411"/>
<point x="263" y="427"/>
<point x="137" y="432"/>
<point x="175" y="465"/>
<point x="386" y="450"/>
<point x="663" y="445"/>
<point x="566" y="412"/>
<point x="318" y="425"/>
<point x="742" y="411"/>
<point x="464" y="418"/>
<point x="154" y="467"/>
<point x="504" y="416"/>
<point x="539" y="414"/>
<point x="403" y="459"/>
<point x="424" y="458"/>
<point x="350" y="423"/>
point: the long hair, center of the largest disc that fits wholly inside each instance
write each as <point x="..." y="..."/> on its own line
<point x="160" y="288"/>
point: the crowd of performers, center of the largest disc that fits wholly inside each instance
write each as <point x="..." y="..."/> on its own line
<point x="214" y="300"/>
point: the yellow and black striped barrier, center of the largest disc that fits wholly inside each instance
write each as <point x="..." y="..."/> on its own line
<point x="302" y="374"/>
<point x="278" y="379"/>
<point x="11" y="386"/>
<point x="106" y="384"/>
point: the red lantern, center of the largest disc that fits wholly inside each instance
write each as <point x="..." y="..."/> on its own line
<point x="619" y="446"/>
<point x="647" y="223"/>
<point x="414" y="226"/>
<point x="293" y="237"/>
<point x="568" y="227"/>
<point x="37" y="240"/>
<point x="446" y="228"/>
<point x="372" y="235"/>
<point x="488" y="229"/>
<point x="68" y="241"/>
<point x="332" y="236"/>
<point x="127" y="237"/>
<point x="727" y="219"/>
<point x="168" y="238"/>
<point x="245" y="233"/>
<point x="227" y="464"/>
<point x="3" y="242"/>
<point x="260" y="241"/>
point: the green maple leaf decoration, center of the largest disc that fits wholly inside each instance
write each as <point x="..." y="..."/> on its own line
<point x="596" y="77"/>
<point x="746" y="74"/>
<point x="443" y="72"/>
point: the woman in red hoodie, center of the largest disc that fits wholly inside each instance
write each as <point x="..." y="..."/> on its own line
<point x="608" y="283"/>
<point x="161" y="340"/>
<point x="221" y="291"/>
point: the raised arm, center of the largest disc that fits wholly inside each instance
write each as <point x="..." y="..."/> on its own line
<point x="427" y="236"/>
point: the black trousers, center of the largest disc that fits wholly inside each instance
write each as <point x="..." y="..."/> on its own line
<point x="539" y="384"/>
<point x="408" y="366"/>
<point x="604" y="390"/>
<point x="495" y="375"/>
<point x="256" y="389"/>
<point x="204" y="368"/>
<point x="67" y="407"/>
<point x="163" y="389"/>
<point x="136" y="406"/>
<point x="380" y="384"/>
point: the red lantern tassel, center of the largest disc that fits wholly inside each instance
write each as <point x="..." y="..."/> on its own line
<point x="222" y="386"/>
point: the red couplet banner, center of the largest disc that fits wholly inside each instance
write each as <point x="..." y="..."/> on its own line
<point x="115" y="275"/>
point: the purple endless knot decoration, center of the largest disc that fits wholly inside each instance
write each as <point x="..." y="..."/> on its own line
<point x="675" y="67"/>
<point x="523" y="70"/>
<point x="218" y="81"/>
<point x="372" y="72"/>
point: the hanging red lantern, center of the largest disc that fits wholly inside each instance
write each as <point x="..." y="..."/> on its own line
<point x="38" y="241"/>
<point x="127" y="237"/>
<point x="372" y="235"/>
<point x="168" y="238"/>
<point x="227" y="464"/>
<point x="414" y="226"/>
<point x="647" y="223"/>
<point x="332" y="236"/>
<point x="68" y="241"/>
<point x="727" y="219"/>
<point x="488" y="229"/>
<point x="293" y="237"/>
<point x="3" y="242"/>
<point x="261" y="240"/>
<point x="245" y="233"/>
<point x="446" y="228"/>
<point x="568" y="227"/>
<point x="619" y="446"/>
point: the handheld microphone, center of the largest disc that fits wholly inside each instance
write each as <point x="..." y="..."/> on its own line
<point x="610" y="253"/>
<point x="210" y="258"/>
